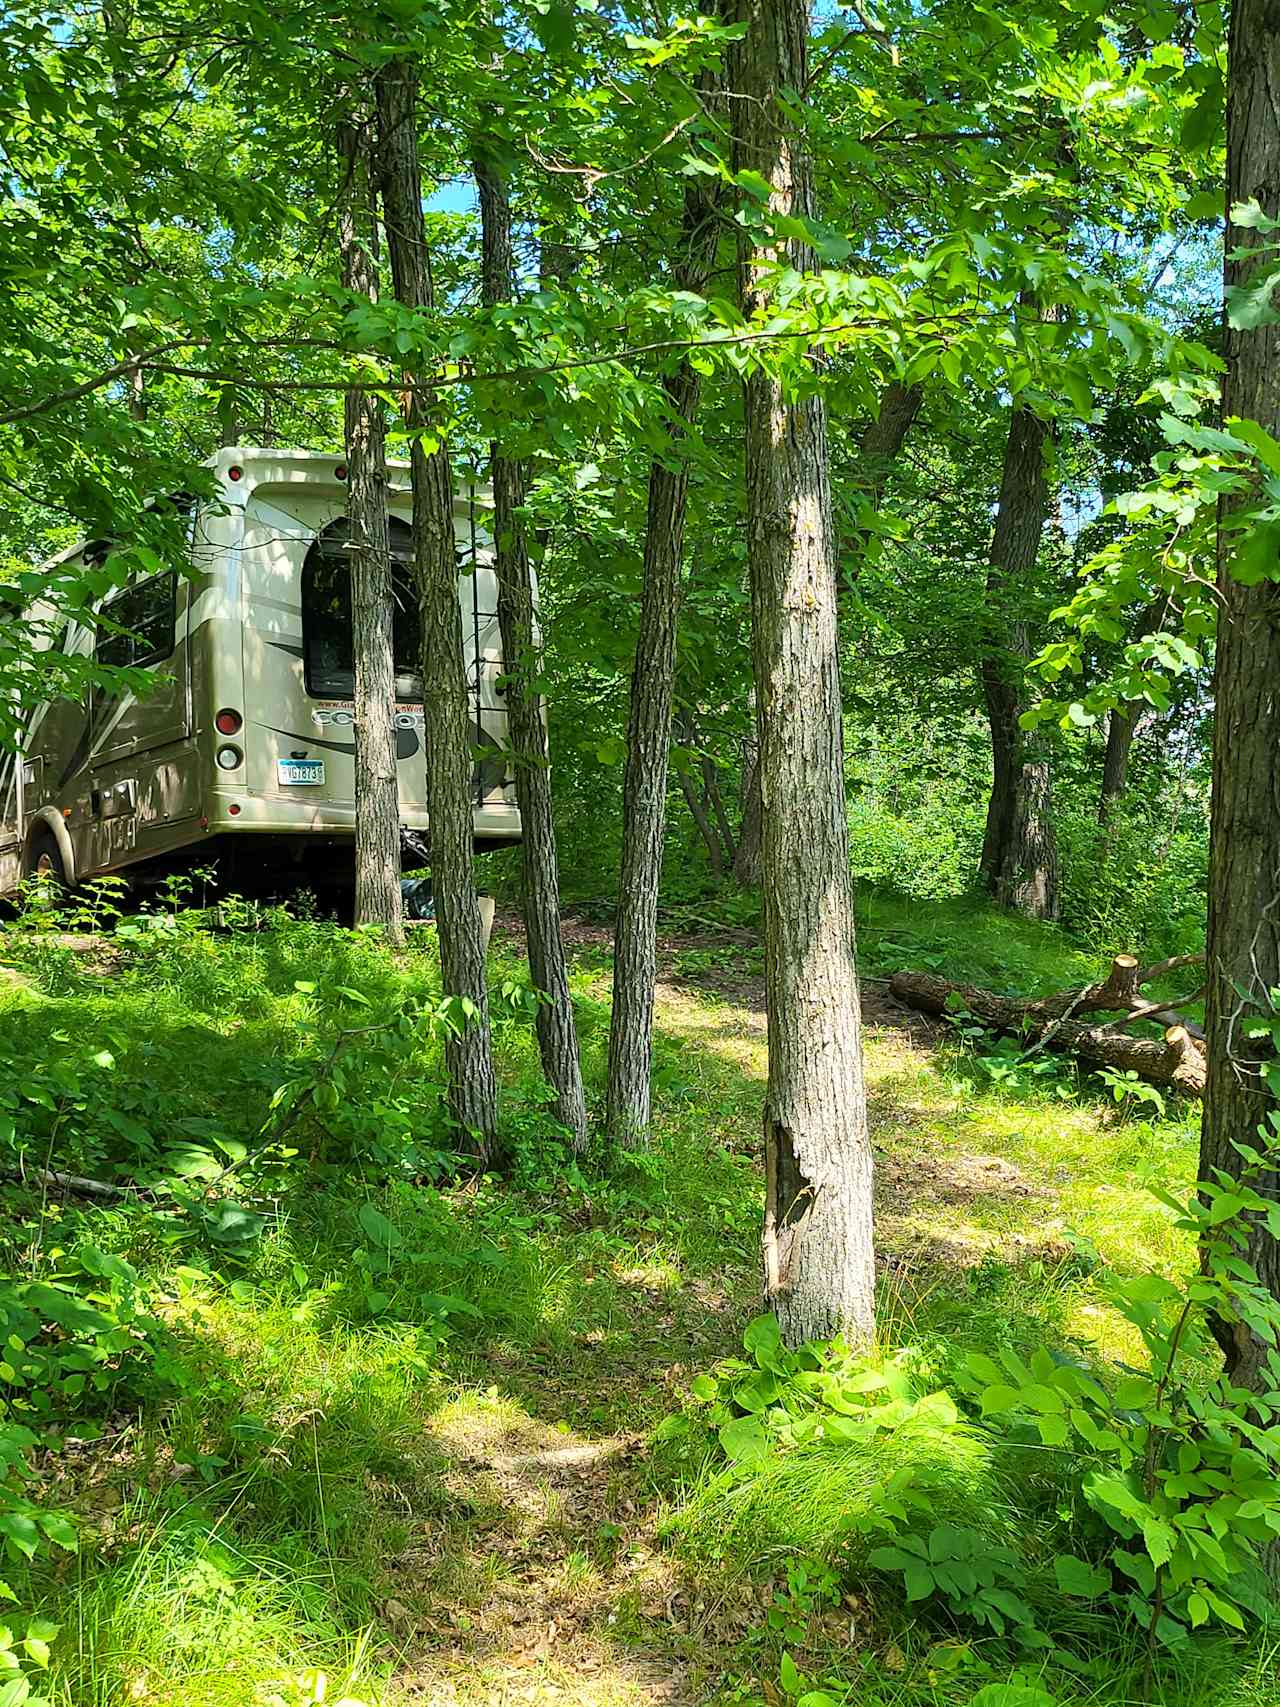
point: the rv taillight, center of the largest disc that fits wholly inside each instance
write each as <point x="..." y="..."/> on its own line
<point x="341" y="471"/>
<point x="228" y="722"/>
<point x="229" y="758"/>
<point x="235" y="472"/>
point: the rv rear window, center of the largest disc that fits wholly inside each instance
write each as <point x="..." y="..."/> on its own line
<point x="326" y="620"/>
<point x="148" y="612"/>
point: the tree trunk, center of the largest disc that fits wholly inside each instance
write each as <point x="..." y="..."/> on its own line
<point x="554" y="1022"/>
<point x="472" y="1086"/>
<point x="883" y="439"/>
<point x="1019" y="864"/>
<point x="1243" y="952"/>
<point x="746" y="861"/>
<point x="817" y="1244"/>
<point x="377" y="789"/>
<point x="644" y="780"/>
<point x="1121" y="725"/>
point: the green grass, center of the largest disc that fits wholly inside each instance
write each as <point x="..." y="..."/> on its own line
<point x="434" y="1479"/>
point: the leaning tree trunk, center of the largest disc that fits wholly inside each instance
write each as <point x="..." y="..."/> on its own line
<point x="378" y="899"/>
<point x="644" y="780"/>
<point x="817" y="1244"/>
<point x="1122" y="725"/>
<point x="1019" y="863"/>
<point x="1243" y="956"/>
<point x="472" y="1086"/>
<point x="554" y="1023"/>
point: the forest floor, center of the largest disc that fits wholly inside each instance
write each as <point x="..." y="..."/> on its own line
<point x="442" y="1478"/>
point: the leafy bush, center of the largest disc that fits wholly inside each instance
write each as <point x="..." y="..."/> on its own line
<point x="828" y="1451"/>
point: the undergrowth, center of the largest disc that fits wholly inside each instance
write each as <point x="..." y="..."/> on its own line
<point x="296" y="1310"/>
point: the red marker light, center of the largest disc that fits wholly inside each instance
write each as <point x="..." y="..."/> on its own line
<point x="235" y="472"/>
<point x="341" y="471"/>
<point x="228" y="722"/>
<point x="233" y="811"/>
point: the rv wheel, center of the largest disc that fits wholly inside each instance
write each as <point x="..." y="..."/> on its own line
<point x="46" y="861"/>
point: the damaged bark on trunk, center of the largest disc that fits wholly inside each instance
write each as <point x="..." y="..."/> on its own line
<point x="817" y="1243"/>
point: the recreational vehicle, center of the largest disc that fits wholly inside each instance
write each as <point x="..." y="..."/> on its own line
<point x="243" y="751"/>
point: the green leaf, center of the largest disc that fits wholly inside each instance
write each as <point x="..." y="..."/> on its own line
<point x="37" y="1649"/>
<point x="1077" y="1576"/>
<point x="376" y="1228"/>
<point x="919" y="1580"/>
<point x="763" y="1339"/>
<point x="1012" y="1695"/>
<point x="704" y="1387"/>
<point x="789" y="1675"/>
<point x="744" y="1440"/>
<point x="1001" y="1398"/>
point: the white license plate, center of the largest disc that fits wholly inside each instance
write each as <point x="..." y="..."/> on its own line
<point x="300" y="772"/>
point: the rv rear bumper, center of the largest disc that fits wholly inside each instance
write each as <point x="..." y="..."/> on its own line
<point x="246" y="812"/>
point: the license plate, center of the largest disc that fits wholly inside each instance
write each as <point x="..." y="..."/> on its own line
<point x="300" y="772"/>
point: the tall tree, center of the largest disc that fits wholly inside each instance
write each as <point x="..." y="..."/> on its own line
<point x="644" y="785"/>
<point x="1243" y="950"/>
<point x="817" y="1245"/>
<point x="472" y="1092"/>
<point x="1019" y="852"/>
<point x="557" y="1033"/>
<point x="378" y="899"/>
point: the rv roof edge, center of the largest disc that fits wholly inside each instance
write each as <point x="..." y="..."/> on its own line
<point x="264" y="466"/>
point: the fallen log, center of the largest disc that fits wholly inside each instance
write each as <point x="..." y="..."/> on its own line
<point x="1177" y="1059"/>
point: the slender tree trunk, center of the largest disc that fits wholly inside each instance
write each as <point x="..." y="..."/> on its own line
<point x="557" y="1033"/>
<point x="644" y="781"/>
<point x="1243" y="958"/>
<point x="1019" y="864"/>
<point x="706" y="821"/>
<point x="446" y="725"/>
<point x="378" y="899"/>
<point x="1122" y="725"/>
<point x="817" y="1244"/>
<point x="228" y="418"/>
<point x="746" y="861"/>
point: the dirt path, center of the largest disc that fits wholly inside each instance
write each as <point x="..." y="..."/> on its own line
<point x="546" y="1550"/>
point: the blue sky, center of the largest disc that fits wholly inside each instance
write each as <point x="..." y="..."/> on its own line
<point x="458" y="196"/>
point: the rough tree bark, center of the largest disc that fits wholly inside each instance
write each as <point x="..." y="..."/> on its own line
<point x="644" y="781"/>
<point x="1019" y="864"/>
<point x="1121" y="727"/>
<point x="882" y="441"/>
<point x="472" y="1086"/>
<point x="557" y="1033"/>
<point x="817" y="1243"/>
<point x="377" y="789"/>
<point x="1243" y="953"/>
